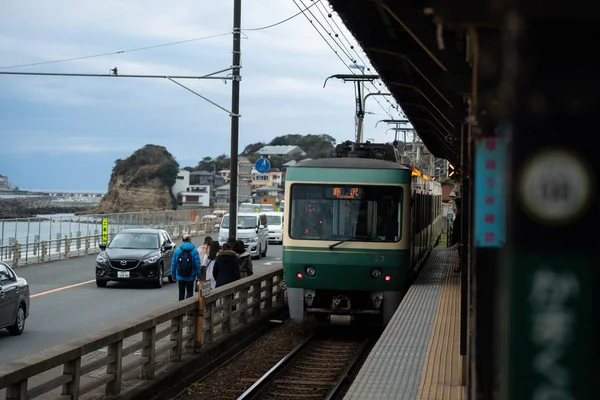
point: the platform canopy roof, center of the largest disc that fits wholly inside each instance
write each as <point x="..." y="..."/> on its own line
<point x="425" y="69"/>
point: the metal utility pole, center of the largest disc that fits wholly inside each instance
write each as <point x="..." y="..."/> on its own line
<point x="358" y="80"/>
<point x="235" y="117"/>
<point x="397" y="129"/>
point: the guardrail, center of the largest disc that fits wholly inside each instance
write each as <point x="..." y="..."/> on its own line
<point x="71" y="370"/>
<point x="19" y="254"/>
<point x="28" y="250"/>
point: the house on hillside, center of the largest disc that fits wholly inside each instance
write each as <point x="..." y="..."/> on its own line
<point x="293" y="151"/>
<point x="196" y="189"/>
<point x="3" y="182"/>
<point x="225" y="174"/>
<point x="222" y="195"/>
<point x="269" y="195"/>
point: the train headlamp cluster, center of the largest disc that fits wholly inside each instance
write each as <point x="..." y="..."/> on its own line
<point x="311" y="271"/>
<point x="376" y="273"/>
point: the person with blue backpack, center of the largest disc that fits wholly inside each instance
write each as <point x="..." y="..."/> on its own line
<point x="185" y="267"/>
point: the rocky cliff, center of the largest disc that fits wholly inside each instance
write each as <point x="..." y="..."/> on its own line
<point x="141" y="182"/>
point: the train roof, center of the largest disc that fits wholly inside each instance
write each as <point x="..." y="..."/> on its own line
<point x="356" y="163"/>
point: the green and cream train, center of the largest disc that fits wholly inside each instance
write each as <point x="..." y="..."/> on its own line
<point x="356" y="229"/>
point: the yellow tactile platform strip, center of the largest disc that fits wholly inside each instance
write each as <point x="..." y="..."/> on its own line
<point x="441" y="373"/>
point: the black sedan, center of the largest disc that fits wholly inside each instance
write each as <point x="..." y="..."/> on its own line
<point x="14" y="300"/>
<point x="136" y="255"/>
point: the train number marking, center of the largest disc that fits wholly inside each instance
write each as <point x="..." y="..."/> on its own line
<point x="556" y="186"/>
<point x="379" y="259"/>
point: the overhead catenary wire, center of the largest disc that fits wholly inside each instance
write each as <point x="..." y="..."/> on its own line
<point x="340" y="33"/>
<point x="351" y="59"/>
<point x="282" y="21"/>
<point x="303" y="7"/>
<point x="112" y="53"/>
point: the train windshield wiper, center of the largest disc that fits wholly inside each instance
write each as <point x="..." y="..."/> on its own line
<point x="362" y="238"/>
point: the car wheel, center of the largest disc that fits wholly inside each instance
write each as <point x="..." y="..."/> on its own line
<point x="19" y="325"/>
<point x="264" y="253"/>
<point x="258" y="252"/>
<point x="159" y="282"/>
<point x="101" y="283"/>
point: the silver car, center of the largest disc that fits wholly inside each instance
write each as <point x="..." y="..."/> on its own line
<point x="14" y="300"/>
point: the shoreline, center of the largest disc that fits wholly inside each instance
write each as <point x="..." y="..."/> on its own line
<point x="32" y="207"/>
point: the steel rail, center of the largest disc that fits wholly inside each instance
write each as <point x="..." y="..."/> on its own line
<point x="338" y="385"/>
<point x="263" y="380"/>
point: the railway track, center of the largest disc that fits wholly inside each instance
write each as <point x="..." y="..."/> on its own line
<point x="316" y="369"/>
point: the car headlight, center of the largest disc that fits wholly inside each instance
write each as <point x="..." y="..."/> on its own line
<point x="101" y="260"/>
<point x="253" y="240"/>
<point x="151" y="260"/>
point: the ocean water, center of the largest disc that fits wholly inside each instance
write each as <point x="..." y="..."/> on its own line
<point x="52" y="227"/>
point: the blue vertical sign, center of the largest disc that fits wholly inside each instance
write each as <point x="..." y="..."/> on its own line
<point x="490" y="191"/>
<point x="262" y="165"/>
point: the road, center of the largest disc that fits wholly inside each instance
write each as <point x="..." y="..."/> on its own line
<point x="66" y="303"/>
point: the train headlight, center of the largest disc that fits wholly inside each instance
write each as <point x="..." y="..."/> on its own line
<point x="376" y="272"/>
<point x="311" y="271"/>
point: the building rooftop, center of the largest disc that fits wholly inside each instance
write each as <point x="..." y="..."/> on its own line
<point x="269" y="189"/>
<point x="281" y="150"/>
<point x="203" y="173"/>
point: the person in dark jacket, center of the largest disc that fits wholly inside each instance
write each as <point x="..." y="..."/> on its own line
<point x="457" y="232"/>
<point x="245" y="259"/>
<point x="226" y="269"/>
<point x="186" y="283"/>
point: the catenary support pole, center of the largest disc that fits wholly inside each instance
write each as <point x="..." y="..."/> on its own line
<point x="235" y="117"/>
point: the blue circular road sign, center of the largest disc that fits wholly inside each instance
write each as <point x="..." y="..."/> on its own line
<point x="262" y="165"/>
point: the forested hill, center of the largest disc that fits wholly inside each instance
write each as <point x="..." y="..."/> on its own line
<point x="315" y="146"/>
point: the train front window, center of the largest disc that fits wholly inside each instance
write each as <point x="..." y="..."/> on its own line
<point x="338" y="212"/>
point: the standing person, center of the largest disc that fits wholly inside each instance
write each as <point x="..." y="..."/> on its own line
<point x="226" y="269"/>
<point x="209" y="263"/>
<point x="203" y="250"/>
<point x="457" y="231"/>
<point x="185" y="267"/>
<point x="245" y="259"/>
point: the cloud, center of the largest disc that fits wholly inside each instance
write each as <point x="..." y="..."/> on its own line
<point x="283" y="69"/>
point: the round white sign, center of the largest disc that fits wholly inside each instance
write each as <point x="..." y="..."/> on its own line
<point x="556" y="186"/>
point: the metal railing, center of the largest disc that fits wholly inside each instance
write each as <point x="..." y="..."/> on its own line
<point x="56" y="237"/>
<point x="136" y="350"/>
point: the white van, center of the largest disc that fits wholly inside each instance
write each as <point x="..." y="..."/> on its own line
<point x="246" y="208"/>
<point x="275" y="224"/>
<point x="251" y="229"/>
<point x="266" y="208"/>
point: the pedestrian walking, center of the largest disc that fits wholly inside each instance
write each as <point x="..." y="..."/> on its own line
<point x="226" y="269"/>
<point x="185" y="267"/>
<point x="209" y="264"/>
<point x="203" y="250"/>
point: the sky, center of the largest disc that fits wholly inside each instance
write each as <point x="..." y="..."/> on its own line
<point x="66" y="132"/>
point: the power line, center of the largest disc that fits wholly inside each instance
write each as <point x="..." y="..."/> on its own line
<point x="117" y="52"/>
<point x="285" y="20"/>
<point x="334" y="50"/>
<point x="157" y="45"/>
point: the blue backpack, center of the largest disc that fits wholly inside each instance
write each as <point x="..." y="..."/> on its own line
<point x="185" y="263"/>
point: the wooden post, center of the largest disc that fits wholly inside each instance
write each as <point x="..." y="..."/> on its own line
<point x="202" y="292"/>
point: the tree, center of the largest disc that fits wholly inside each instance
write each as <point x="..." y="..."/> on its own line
<point x="315" y="146"/>
<point x="206" y="164"/>
<point x="252" y="148"/>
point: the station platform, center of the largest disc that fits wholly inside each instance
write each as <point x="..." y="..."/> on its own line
<point x="417" y="356"/>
